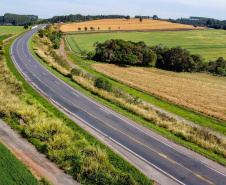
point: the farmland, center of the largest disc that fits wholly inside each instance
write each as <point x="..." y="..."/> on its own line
<point x="209" y="43"/>
<point x="123" y="24"/>
<point x="10" y="29"/>
<point x="200" y="92"/>
<point x="13" y="171"/>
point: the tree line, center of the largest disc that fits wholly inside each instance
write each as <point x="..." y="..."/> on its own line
<point x="201" y="21"/>
<point x="176" y="59"/>
<point x="17" y="20"/>
<point x="79" y="18"/>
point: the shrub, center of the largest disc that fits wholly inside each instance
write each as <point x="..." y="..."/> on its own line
<point x="103" y="83"/>
<point x="76" y="72"/>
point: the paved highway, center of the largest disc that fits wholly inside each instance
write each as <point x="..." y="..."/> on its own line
<point x="175" y="164"/>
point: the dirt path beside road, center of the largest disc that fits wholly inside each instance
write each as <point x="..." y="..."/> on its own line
<point x="37" y="162"/>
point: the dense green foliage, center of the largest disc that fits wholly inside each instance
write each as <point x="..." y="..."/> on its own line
<point x="125" y="53"/>
<point x="103" y="83"/>
<point x="13" y="171"/>
<point x="15" y="19"/>
<point x="122" y="52"/>
<point x="79" y="17"/>
<point x="201" y="21"/>
<point x="76" y="72"/>
<point x="53" y="35"/>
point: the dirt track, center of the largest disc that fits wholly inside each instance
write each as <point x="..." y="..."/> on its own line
<point x="27" y="153"/>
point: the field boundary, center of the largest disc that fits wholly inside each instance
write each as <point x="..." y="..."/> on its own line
<point x="125" y="31"/>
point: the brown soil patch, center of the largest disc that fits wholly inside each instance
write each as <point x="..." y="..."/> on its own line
<point x="123" y="24"/>
<point x="200" y="92"/>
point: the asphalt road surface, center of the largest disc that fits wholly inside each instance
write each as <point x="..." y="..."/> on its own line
<point x="177" y="165"/>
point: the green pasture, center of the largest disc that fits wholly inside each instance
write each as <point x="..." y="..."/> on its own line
<point x="3" y="37"/>
<point x="209" y="43"/>
<point x="13" y="171"/>
<point x="11" y="29"/>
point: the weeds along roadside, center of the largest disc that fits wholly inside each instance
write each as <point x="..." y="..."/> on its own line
<point x="11" y="89"/>
<point x="200" y="140"/>
<point x="71" y="148"/>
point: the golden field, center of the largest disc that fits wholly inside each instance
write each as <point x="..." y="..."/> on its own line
<point x="123" y="24"/>
<point x="200" y="92"/>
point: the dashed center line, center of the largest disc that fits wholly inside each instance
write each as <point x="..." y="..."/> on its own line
<point x="35" y="66"/>
<point x="57" y="82"/>
<point x="75" y="94"/>
<point x="44" y="73"/>
<point x="29" y="60"/>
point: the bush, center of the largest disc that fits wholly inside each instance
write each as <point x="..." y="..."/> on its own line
<point x="76" y="72"/>
<point x="44" y="181"/>
<point x="103" y="83"/>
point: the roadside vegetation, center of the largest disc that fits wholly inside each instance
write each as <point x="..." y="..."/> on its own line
<point x="13" y="171"/>
<point x="65" y="143"/>
<point x="212" y="145"/>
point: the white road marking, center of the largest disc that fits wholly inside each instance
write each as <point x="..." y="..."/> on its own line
<point x="75" y="94"/>
<point x="57" y="82"/>
<point x="35" y="66"/>
<point x="44" y="73"/>
<point x="105" y="111"/>
<point x="29" y="60"/>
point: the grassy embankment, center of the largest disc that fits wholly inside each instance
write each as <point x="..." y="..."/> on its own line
<point x="179" y="132"/>
<point x="65" y="143"/>
<point x="13" y="171"/>
<point x="209" y="43"/>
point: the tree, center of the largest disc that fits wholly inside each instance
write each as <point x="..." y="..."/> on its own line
<point x="109" y="28"/>
<point x="85" y="28"/>
<point x="119" y="28"/>
<point x="79" y="29"/>
<point x="127" y="17"/>
<point x="98" y="28"/>
<point x="141" y="19"/>
<point x="26" y="27"/>
<point x="91" y="28"/>
<point x="155" y="17"/>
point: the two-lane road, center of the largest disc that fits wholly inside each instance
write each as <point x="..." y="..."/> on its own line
<point x="177" y="165"/>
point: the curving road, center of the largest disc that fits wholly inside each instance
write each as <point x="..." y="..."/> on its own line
<point x="175" y="164"/>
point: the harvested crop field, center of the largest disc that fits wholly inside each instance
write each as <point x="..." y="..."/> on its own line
<point x="123" y="24"/>
<point x="200" y="92"/>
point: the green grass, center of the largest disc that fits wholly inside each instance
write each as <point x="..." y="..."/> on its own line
<point x="13" y="171"/>
<point x="118" y="162"/>
<point x="121" y="110"/>
<point x="11" y="29"/>
<point x="188" y="114"/>
<point x="3" y="37"/>
<point x="209" y="43"/>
